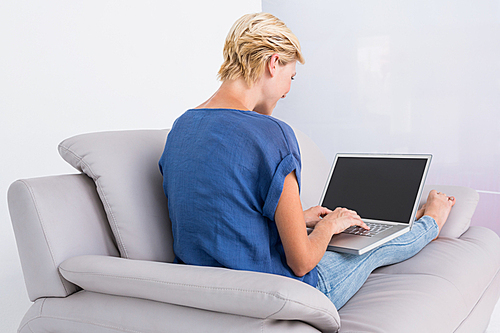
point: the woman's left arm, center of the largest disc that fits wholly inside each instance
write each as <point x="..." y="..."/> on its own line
<point x="303" y="252"/>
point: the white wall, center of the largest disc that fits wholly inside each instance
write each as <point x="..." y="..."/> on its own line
<point x="70" y="67"/>
<point x="418" y="76"/>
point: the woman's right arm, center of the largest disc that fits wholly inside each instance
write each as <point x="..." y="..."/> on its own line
<point x="303" y="252"/>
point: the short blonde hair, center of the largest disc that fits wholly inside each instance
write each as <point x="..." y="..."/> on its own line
<point x="252" y="41"/>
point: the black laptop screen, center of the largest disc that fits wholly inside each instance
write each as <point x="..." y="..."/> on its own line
<point x="376" y="188"/>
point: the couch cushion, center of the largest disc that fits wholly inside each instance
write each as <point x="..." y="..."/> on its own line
<point x="86" y="312"/>
<point x="315" y="171"/>
<point x="431" y="292"/>
<point x="461" y="214"/>
<point x="222" y="290"/>
<point x="124" y="167"/>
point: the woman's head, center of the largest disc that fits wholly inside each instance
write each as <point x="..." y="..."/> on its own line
<point x="251" y="43"/>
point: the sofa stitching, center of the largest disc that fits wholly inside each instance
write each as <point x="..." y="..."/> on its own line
<point x="166" y="282"/>
<point x="41" y="307"/>
<point x="311" y="307"/>
<point x="480" y="297"/>
<point x="89" y="322"/>
<point x="272" y="314"/>
<point x="281" y="308"/>
<point x="80" y="159"/>
<point x="42" y="225"/>
<point x="29" y="327"/>
<point x="113" y="218"/>
<point x="277" y="294"/>
<point x="27" y="324"/>
<point x="427" y="274"/>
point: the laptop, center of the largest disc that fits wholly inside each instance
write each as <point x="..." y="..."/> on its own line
<point x="384" y="190"/>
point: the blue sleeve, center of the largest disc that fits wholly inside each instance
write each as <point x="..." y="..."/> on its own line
<point x="288" y="164"/>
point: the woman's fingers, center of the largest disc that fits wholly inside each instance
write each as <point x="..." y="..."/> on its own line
<point x="348" y="221"/>
<point x="362" y="224"/>
<point x="340" y="211"/>
<point x="322" y="211"/>
<point x="325" y="211"/>
<point x="314" y="214"/>
<point x="341" y="218"/>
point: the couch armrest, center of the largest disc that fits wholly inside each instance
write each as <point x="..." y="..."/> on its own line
<point x="56" y="218"/>
<point x="242" y="293"/>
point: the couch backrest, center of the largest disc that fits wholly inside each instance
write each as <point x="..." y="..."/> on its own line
<point x="119" y="209"/>
<point x="124" y="166"/>
<point x="56" y="218"/>
<point x="315" y="170"/>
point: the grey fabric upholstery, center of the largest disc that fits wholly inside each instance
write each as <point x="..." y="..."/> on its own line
<point x="315" y="170"/>
<point x="478" y="318"/>
<point x="87" y="312"/>
<point x="124" y="166"/>
<point x="57" y="218"/>
<point x="251" y="294"/>
<point x="65" y="222"/>
<point x="435" y="291"/>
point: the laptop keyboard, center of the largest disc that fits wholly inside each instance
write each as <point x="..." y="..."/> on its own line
<point x="375" y="228"/>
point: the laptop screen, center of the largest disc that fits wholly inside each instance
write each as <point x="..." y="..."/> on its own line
<point x="377" y="188"/>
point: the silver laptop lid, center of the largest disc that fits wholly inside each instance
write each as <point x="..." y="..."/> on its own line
<point x="379" y="187"/>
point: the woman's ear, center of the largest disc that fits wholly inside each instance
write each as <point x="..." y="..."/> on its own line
<point x="272" y="64"/>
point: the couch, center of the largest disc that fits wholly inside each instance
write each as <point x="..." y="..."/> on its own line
<point x="96" y="252"/>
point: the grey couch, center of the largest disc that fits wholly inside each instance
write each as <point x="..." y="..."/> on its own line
<point x="96" y="253"/>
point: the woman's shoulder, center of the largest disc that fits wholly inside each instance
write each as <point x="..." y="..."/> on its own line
<point x="222" y="122"/>
<point x="242" y="117"/>
<point x="271" y="127"/>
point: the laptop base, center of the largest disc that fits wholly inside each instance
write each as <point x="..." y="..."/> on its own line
<point x="358" y="245"/>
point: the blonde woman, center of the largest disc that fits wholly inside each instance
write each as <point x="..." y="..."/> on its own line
<point x="232" y="178"/>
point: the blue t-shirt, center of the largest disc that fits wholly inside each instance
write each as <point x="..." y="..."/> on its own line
<point x="223" y="174"/>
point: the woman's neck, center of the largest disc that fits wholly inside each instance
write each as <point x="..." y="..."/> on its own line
<point x="236" y="94"/>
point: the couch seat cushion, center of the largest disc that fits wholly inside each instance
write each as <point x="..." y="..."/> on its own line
<point x="446" y="279"/>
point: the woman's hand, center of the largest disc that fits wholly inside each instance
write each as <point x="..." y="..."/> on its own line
<point x="314" y="214"/>
<point x="343" y="218"/>
<point x="303" y="252"/>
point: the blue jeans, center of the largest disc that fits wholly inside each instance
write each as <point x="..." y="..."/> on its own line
<point x="341" y="275"/>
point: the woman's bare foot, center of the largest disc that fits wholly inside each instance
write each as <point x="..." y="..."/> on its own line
<point x="420" y="212"/>
<point x="438" y="206"/>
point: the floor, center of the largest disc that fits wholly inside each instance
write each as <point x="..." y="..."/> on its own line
<point x="494" y="326"/>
